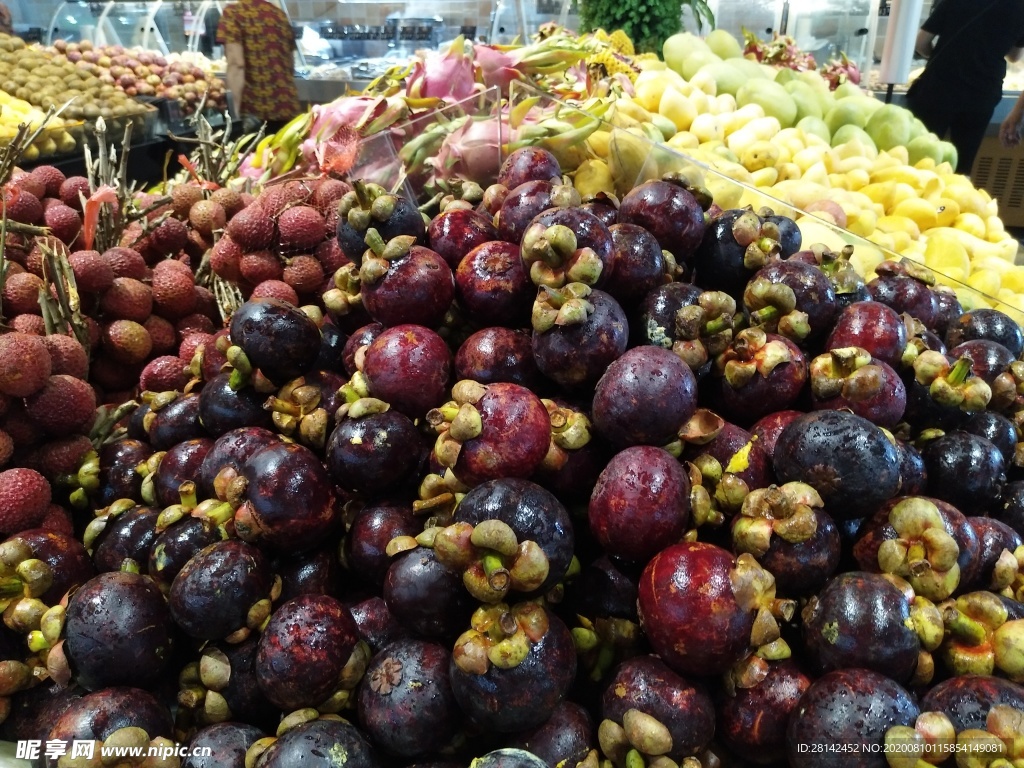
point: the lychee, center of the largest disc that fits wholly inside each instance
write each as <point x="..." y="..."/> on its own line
<point x="64" y="406"/>
<point x="303" y="273"/>
<point x="275" y="289"/>
<point x="70" y="189"/>
<point x="170" y="236"/>
<point x="197" y="245"/>
<point x="127" y="341"/>
<point x="251" y="228"/>
<point x="111" y="375"/>
<point x="33" y="325"/>
<point x="205" y="216"/>
<point x="162" y="334"/>
<point x="127" y="299"/>
<point x="194" y="323"/>
<point x="29" y="183"/>
<point x="259" y="266"/>
<point x="192" y="342"/>
<point x="300" y="228"/>
<point x="163" y="374"/>
<point x="66" y="355"/>
<point x="93" y="273"/>
<point x="23" y="431"/>
<point x="64" y="222"/>
<point x="57" y="458"/>
<point x="276" y="197"/>
<point x="51" y="178"/>
<point x="206" y="304"/>
<point x="229" y="198"/>
<point x="24" y="364"/>
<point x="58" y="520"/>
<point x="183" y="197"/>
<point x="6" y="448"/>
<point x="327" y="194"/>
<point x="22" y="206"/>
<point x="225" y="255"/>
<point x="21" y="293"/>
<point x="173" y="294"/>
<point x="126" y="262"/>
<point x="24" y="500"/>
<point x="330" y="256"/>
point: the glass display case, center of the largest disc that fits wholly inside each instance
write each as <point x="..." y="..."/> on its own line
<point x="521" y="18"/>
<point x="154" y="26"/>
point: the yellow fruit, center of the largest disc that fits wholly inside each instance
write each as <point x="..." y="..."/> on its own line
<point x="760" y="154"/>
<point x="946" y="211"/>
<point x="592" y="177"/>
<point x="899" y="224"/>
<point x="970" y="223"/>
<point x="736" y="120"/>
<point x="994" y="230"/>
<point x="986" y="281"/>
<point x="900" y="192"/>
<point x="858" y="178"/>
<point x="921" y="211"/>
<point x="861" y="221"/>
<point x="764" y="177"/>
<point x="901" y="174"/>
<point x="788" y="171"/>
<point x="725" y="192"/>
<point x="970" y="200"/>
<point x="683" y="141"/>
<point x="970" y="299"/>
<point x="879" y="191"/>
<point x="1013" y="278"/>
<point x="706" y="127"/>
<point x="946" y="254"/>
<point x="677" y="108"/>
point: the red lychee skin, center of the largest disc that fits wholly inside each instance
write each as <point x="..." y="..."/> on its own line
<point x="126" y="262"/>
<point x="206" y="305"/>
<point x="23" y="207"/>
<point x="163" y="374"/>
<point x="24" y="364"/>
<point x="197" y="245"/>
<point x="50" y="177"/>
<point x="170" y="236"/>
<point x="259" y="266"/>
<point x="330" y="256"/>
<point x="304" y="274"/>
<point x="173" y="294"/>
<point x="6" y="448"/>
<point x="132" y="236"/>
<point x="275" y="289"/>
<point x="206" y="216"/>
<point x="111" y="375"/>
<point x="162" y="334"/>
<point x="18" y="248"/>
<point x="58" y="520"/>
<point x="57" y="458"/>
<point x="65" y="406"/>
<point x="21" y="294"/>
<point x="194" y="323"/>
<point x="95" y="332"/>
<point x="251" y="228"/>
<point x="127" y="299"/>
<point x="183" y="197"/>
<point x="52" y="202"/>
<point x="224" y="258"/>
<point x="34" y="260"/>
<point x="64" y="222"/>
<point x="277" y="197"/>
<point x="127" y="341"/>
<point x="327" y="194"/>
<point x="33" y="325"/>
<point x="66" y="356"/>
<point x="192" y="342"/>
<point x="230" y="200"/>
<point x="93" y="273"/>
<point x="248" y="198"/>
<point x="70" y="188"/>
<point x="5" y="403"/>
<point x="300" y="228"/>
<point x="23" y="431"/>
<point x="24" y="499"/>
<point x="29" y="183"/>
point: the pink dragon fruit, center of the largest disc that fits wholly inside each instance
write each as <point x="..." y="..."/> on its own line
<point x="470" y="152"/>
<point x="781" y="51"/>
<point x="839" y="71"/>
<point x="450" y="76"/>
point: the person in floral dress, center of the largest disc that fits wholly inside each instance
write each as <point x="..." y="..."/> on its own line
<point x="259" y="46"/>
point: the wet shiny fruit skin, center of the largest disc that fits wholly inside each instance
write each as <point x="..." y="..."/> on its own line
<point x="689" y="612"/>
<point x="302" y="651"/>
<point x="279" y="339"/>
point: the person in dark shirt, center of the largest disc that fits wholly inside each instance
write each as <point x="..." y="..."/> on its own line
<point x="967" y="44"/>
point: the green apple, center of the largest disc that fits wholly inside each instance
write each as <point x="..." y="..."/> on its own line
<point x="889" y="126"/>
<point x="678" y="48"/>
<point x="925" y="145"/>
<point x="773" y="98"/>
<point x="723" y="44"/>
<point x="806" y="99"/>
<point x="811" y="125"/>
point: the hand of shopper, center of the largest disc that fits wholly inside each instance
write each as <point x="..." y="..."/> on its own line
<point x="1010" y="129"/>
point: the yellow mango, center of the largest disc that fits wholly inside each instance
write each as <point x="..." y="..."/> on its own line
<point x="879" y="191"/>
<point x="985" y="281"/>
<point x="861" y="221"/>
<point x="921" y="211"/>
<point x="1013" y="278"/>
<point x="899" y="224"/>
<point x="677" y="108"/>
<point x="945" y="254"/>
<point x="683" y="141"/>
<point x="971" y="223"/>
<point x="788" y="171"/>
<point x="764" y="177"/>
<point x="946" y="211"/>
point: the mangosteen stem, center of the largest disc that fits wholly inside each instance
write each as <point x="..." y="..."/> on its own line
<point x="963" y="627"/>
<point x="959" y="372"/>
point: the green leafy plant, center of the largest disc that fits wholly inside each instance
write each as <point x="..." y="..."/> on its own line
<point x="647" y="22"/>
